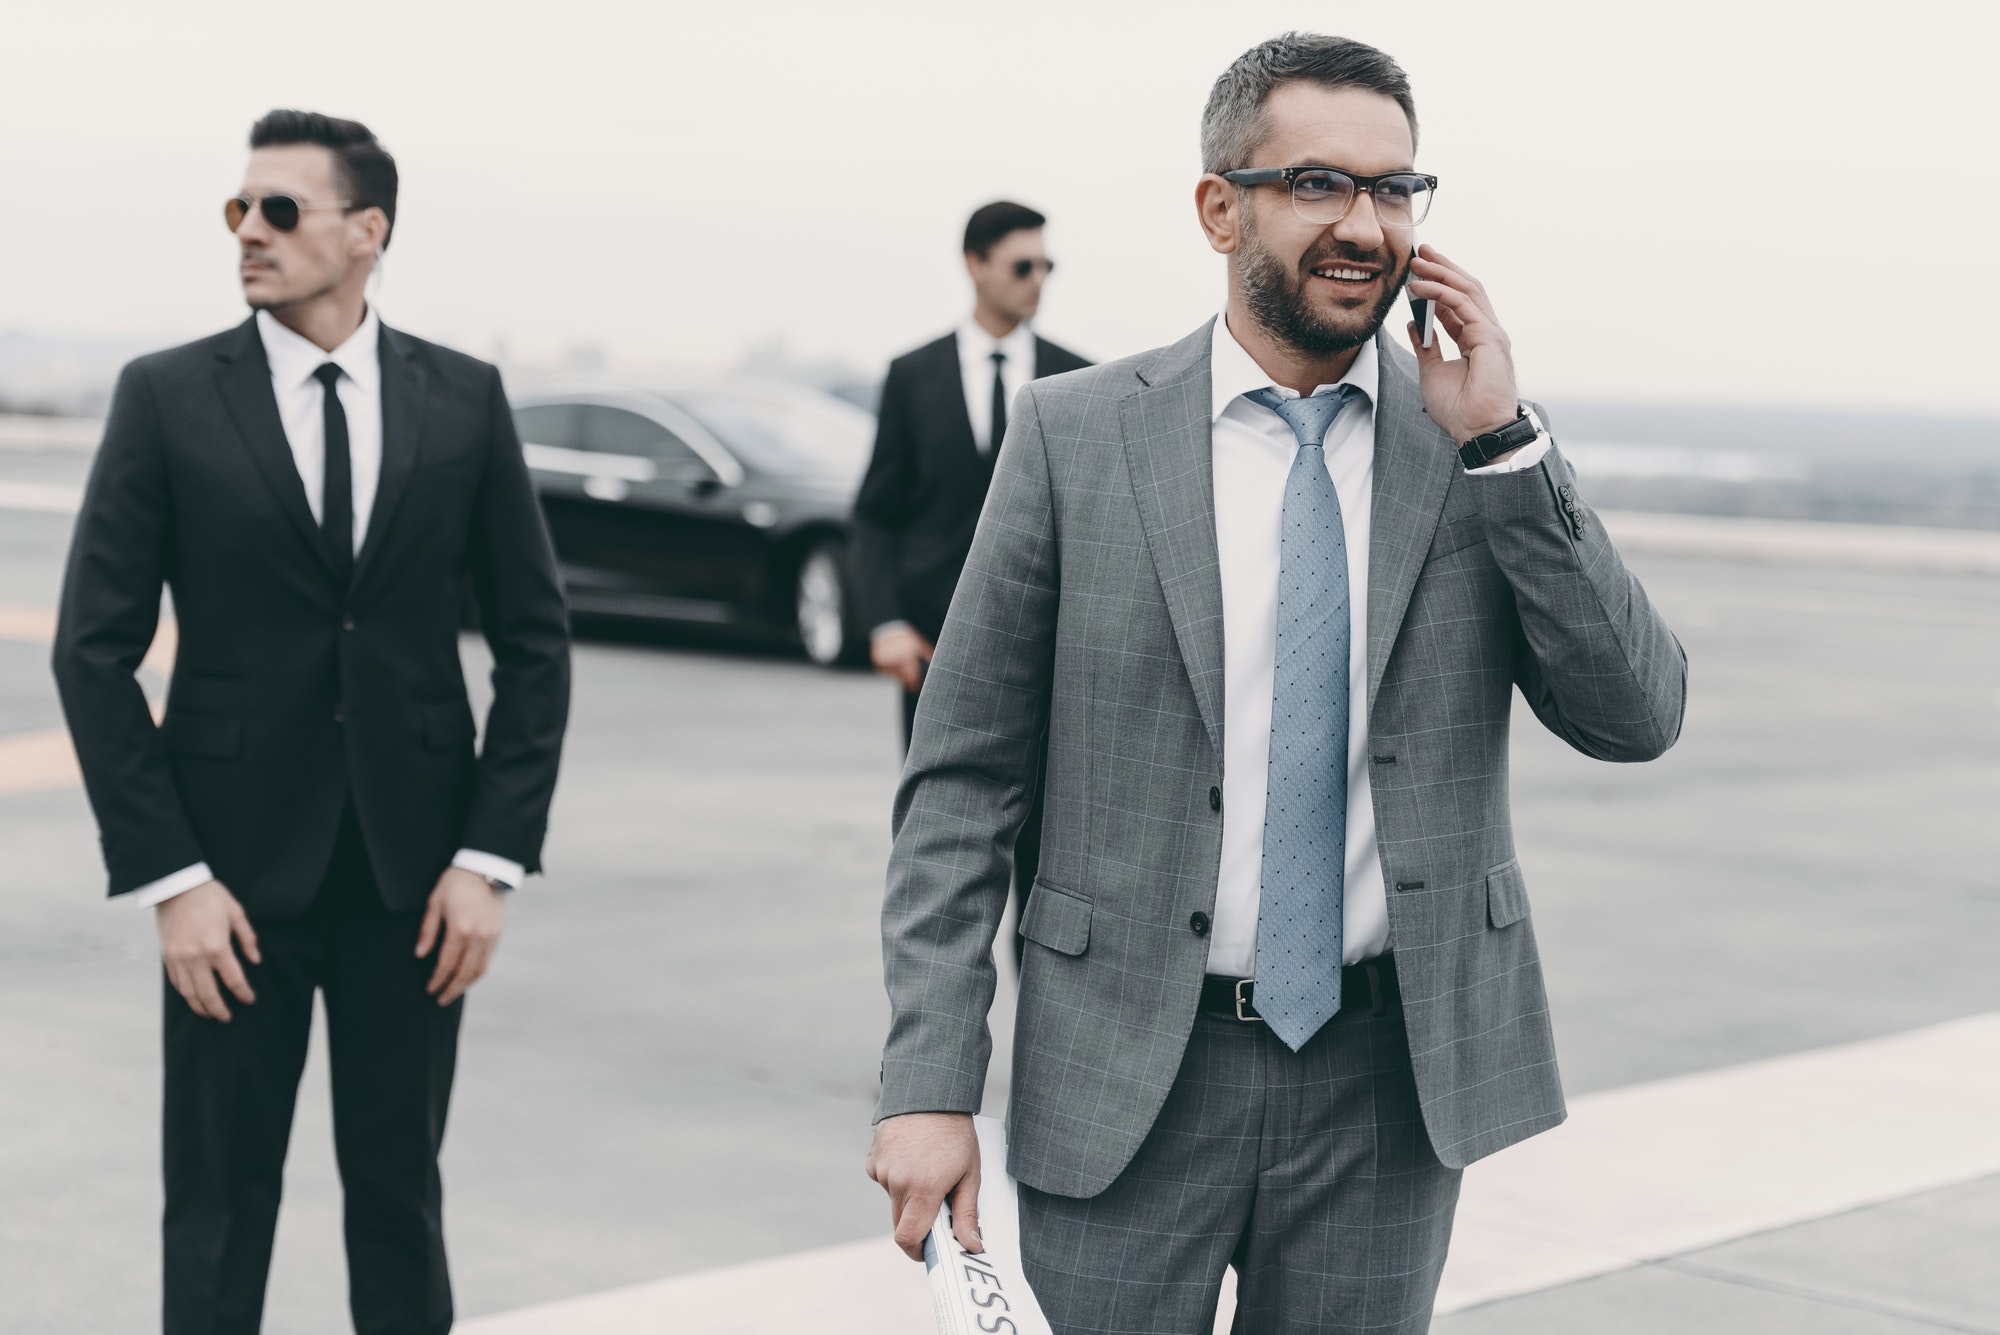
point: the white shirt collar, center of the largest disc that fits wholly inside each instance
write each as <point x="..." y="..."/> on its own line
<point x="976" y="345"/>
<point x="1232" y="372"/>
<point x="294" y="357"/>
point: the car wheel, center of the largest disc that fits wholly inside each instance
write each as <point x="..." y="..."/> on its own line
<point x="823" y="617"/>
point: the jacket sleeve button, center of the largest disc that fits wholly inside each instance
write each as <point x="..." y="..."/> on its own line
<point x="1215" y="799"/>
<point x="1198" y="924"/>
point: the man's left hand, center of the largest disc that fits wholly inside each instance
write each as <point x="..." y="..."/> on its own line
<point x="468" y="914"/>
<point x="1473" y="393"/>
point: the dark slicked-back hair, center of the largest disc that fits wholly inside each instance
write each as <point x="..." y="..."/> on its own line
<point x="1233" y="124"/>
<point x="990" y="222"/>
<point x="363" y="169"/>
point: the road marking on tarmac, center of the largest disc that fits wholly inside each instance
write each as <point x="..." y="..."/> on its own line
<point x="28" y="625"/>
<point x="45" y="497"/>
<point x="1809" y="542"/>
<point x="34" y="762"/>
<point x="1636" y="1175"/>
<point x="1655" y="1170"/>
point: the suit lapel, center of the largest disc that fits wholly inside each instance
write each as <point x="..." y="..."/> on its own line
<point x="244" y="382"/>
<point x="1167" y="448"/>
<point x="955" y="434"/>
<point x="1414" y="464"/>
<point x="402" y="431"/>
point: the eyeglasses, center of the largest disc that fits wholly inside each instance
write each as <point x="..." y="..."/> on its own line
<point x="1324" y="194"/>
<point x="1022" y="268"/>
<point x="280" y="211"/>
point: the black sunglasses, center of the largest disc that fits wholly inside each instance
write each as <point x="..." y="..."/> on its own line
<point x="1022" y="268"/>
<point x="280" y="211"/>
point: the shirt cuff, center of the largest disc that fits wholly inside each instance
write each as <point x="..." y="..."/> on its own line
<point x="164" y="889"/>
<point x="889" y="628"/>
<point x="490" y="864"/>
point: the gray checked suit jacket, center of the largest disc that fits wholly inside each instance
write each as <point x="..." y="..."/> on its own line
<point x="1091" y="607"/>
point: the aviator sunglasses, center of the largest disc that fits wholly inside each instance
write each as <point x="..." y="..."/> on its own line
<point x="280" y="211"/>
<point x="1022" y="268"/>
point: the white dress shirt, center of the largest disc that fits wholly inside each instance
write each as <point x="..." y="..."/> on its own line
<point x="975" y="362"/>
<point x="301" y="398"/>
<point x="1253" y="451"/>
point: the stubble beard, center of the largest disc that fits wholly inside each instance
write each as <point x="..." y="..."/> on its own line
<point x="277" y="305"/>
<point x="1276" y="297"/>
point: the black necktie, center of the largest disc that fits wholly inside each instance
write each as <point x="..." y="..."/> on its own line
<point x="337" y="495"/>
<point x="999" y="432"/>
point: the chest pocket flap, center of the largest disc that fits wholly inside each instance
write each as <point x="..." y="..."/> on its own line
<point x="1057" y="919"/>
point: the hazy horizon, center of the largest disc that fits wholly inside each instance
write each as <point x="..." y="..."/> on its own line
<point x="685" y="189"/>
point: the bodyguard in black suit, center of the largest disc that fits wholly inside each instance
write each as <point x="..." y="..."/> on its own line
<point x="943" y="416"/>
<point x="310" y="813"/>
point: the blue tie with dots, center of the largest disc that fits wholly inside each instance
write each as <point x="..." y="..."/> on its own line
<point x="1305" y="809"/>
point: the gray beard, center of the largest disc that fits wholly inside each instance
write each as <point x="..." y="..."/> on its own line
<point x="1276" y="299"/>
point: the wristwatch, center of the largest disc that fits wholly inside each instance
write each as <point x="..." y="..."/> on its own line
<point x="498" y="885"/>
<point x="1483" y="450"/>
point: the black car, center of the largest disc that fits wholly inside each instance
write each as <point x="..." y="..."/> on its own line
<point x="714" y="501"/>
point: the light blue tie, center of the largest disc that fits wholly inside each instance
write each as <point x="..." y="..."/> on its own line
<point x="1305" y="808"/>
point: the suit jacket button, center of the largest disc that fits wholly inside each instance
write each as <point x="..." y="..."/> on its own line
<point x="338" y="716"/>
<point x="1215" y="799"/>
<point x="1199" y="923"/>
<point x="347" y="622"/>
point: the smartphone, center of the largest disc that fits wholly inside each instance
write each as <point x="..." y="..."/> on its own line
<point x="1423" y="312"/>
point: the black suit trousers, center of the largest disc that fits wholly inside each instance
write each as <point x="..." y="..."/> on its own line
<point x="231" y="1089"/>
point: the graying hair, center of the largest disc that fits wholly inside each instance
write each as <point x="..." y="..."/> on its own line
<point x="1233" y="124"/>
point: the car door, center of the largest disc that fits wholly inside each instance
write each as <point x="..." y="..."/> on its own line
<point x="662" y="522"/>
<point x="551" y="439"/>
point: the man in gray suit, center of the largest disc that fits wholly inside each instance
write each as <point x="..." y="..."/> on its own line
<point x="1270" y="590"/>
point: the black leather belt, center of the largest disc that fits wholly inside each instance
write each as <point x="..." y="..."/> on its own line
<point x="1369" y="985"/>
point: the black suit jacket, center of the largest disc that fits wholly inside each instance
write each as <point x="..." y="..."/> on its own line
<point x="289" y="691"/>
<point x="920" y="501"/>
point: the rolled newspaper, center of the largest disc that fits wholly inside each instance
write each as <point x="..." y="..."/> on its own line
<point x="985" y="1292"/>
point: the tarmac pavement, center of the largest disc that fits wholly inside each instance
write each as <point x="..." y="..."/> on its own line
<point x="671" y="1067"/>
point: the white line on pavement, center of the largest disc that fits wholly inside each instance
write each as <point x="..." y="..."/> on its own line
<point x="46" y="497"/>
<point x="1948" y="551"/>
<point x="1659" y="1169"/>
<point x="75" y="434"/>
<point x="1636" y="1174"/>
<point x="34" y="762"/>
<point x="861" y="1288"/>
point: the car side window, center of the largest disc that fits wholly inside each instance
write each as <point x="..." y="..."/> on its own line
<point x="554" y="424"/>
<point x="616" y="431"/>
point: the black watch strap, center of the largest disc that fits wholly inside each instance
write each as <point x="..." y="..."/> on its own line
<point x="1483" y="450"/>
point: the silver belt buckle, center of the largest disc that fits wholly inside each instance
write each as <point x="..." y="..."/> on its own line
<point x="1242" y="1001"/>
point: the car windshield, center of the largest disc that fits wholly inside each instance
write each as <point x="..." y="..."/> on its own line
<point x="789" y="434"/>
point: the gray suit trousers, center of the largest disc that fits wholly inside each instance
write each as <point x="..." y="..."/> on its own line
<point x="1310" y="1172"/>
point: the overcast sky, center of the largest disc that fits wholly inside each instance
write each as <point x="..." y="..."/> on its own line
<point x="1743" y="202"/>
